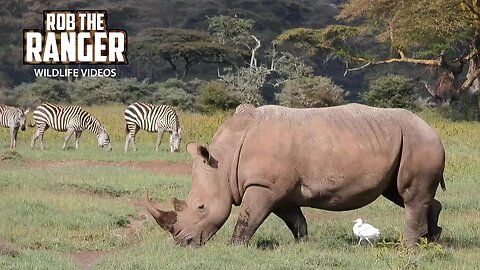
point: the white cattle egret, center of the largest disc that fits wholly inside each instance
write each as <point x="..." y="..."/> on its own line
<point x="365" y="231"/>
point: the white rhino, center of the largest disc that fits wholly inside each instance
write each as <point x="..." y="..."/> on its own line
<point x="275" y="160"/>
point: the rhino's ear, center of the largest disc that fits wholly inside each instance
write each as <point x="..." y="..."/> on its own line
<point x="196" y="150"/>
<point x="199" y="151"/>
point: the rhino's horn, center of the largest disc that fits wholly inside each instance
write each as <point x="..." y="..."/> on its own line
<point x="165" y="219"/>
<point x="178" y="205"/>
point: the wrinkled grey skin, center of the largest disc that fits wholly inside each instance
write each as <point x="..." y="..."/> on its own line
<point x="275" y="160"/>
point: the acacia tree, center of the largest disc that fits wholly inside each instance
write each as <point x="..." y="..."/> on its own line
<point x="444" y="34"/>
<point x="179" y="46"/>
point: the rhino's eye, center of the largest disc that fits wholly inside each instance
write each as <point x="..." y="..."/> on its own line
<point x="201" y="206"/>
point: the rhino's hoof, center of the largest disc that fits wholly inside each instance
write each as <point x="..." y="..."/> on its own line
<point x="434" y="235"/>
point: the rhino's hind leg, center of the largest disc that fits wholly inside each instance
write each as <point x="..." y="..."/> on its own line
<point x="295" y="220"/>
<point x="434" y="231"/>
<point x="415" y="221"/>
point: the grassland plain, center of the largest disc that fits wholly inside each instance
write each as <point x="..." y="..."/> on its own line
<point x="49" y="213"/>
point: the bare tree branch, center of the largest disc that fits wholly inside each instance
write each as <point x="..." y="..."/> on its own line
<point x="470" y="79"/>
<point x="253" y="60"/>
<point x="402" y="59"/>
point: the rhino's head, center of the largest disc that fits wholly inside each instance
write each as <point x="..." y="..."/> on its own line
<point x="207" y="207"/>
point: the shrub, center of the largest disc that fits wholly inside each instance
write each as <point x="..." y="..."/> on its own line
<point x="311" y="92"/>
<point x="216" y="96"/>
<point x="173" y="96"/>
<point x="96" y="90"/>
<point x="132" y="90"/>
<point x="391" y="91"/>
<point x="245" y="85"/>
<point x="42" y="90"/>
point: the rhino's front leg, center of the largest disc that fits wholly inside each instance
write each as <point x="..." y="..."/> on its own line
<point x="256" y="205"/>
<point x="295" y="220"/>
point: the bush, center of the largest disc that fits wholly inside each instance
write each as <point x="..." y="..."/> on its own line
<point x="391" y="91"/>
<point x="103" y="90"/>
<point x="132" y="90"/>
<point x="42" y="90"/>
<point x="311" y="92"/>
<point x="215" y="96"/>
<point x="173" y="96"/>
<point x="96" y="90"/>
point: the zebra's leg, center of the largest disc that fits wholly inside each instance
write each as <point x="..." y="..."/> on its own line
<point x="159" y="138"/>
<point x="127" y="140"/>
<point x="78" y="133"/>
<point x="67" y="137"/>
<point x="129" y="136"/>
<point x="42" y="139"/>
<point x="35" y="137"/>
<point x="13" y="137"/>
<point x="134" y="138"/>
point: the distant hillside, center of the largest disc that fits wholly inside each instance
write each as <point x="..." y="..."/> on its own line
<point x="271" y="17"/>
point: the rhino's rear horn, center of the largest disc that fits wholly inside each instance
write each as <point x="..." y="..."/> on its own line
<point x="165" y="219"/>
<point x="178" y="205"/>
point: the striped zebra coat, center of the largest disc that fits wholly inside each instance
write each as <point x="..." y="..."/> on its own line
<point x="70" y="119"/>
<point x="14" y="119"/>
<point x="152" y="118"/>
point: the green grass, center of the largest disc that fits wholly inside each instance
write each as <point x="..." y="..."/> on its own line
<point x="49" y="211"/>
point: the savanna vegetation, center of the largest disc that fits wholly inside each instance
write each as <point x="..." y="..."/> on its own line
<point x="78" y="209"/>
<point x="58" y="206"/>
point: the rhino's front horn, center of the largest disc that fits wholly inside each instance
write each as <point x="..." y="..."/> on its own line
<point x="165" y="219"/>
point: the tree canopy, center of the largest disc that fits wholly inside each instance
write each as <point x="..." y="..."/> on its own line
<point x="175" y="45"/>
<point x="443" y="34"/>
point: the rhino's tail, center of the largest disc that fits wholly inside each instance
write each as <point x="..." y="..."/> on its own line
<point x="442" y="182"/>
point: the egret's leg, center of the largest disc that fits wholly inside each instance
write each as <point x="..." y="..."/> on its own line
<point x="368" y="240"/>
<point x="359" y="241"/>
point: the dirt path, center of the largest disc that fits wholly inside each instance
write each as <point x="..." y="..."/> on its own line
<point x="88" y="259"/>
<point x="163" y="167"/>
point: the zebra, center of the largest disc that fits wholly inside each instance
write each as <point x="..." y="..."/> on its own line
<point x="68" y="119"/>
<point x="152" y="118"/>
<point x="242" y="107"/>
<point x="13" y="118"/>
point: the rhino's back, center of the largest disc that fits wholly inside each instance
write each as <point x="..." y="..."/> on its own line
<point x="330" y="149"/>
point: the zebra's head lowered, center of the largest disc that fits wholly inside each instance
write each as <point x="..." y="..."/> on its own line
<point x="21" y="119"/>
<point x="104" y="140"/>
<point x="175" y="140"/>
